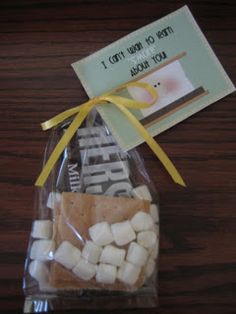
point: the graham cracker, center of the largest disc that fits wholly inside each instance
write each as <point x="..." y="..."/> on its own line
<point x="77" y="213"/>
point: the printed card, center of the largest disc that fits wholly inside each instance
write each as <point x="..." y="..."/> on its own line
<point x="173" y="56"/>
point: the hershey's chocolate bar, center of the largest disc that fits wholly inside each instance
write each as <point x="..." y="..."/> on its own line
<point x="95" y="164"/>
<point x="105" y="166"/>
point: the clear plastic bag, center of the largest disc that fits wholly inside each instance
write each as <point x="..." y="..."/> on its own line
<point x="95" y="238"/>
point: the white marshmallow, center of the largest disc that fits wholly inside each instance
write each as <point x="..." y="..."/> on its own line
<point x="123" y="232"/>
<point x="54" y="198"/>
<point x="42" y="250"/>
<point x="42" y="229"/>
<point x="137" y="254"/>
<point x="39" y="271"/>
<point x="150" y="266"/>
<point x="154" y="212"/>
<point x="101" y="234"/>
<point x="67" y="255"/>
<point x="106" y="273"/>
<point x="112" y="255"/>
<point x="128" y="273"/>
<point x="142" y="221"/>
<point x="91" y="252"/>
<point x="147" y="239"/>
<point x="156" y="229"/>
<point x="142" y="192"/>
<point x="84" y="270"/>
<point x="153" y="251"/>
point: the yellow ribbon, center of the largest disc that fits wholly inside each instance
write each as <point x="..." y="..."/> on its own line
<point x="122" y="103"/>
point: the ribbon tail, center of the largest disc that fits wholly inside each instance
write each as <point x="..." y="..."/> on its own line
<point x="173" y="172"/>
<point x="79" y="118"/>
<point x="62" y="117"/>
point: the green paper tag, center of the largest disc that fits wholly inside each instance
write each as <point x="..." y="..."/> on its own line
<point x="172" y="55"/>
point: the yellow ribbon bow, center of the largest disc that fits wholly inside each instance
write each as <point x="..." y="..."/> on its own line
<point x="122" y="103"/>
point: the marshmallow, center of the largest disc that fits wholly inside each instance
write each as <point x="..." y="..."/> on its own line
<point x="142" y="221"/>
<point x="67" y="255"/>
<point x="128" y="273"/>
<point x="154" y="212"/>
<point x="123" y="232"/>
<point x="153" y="251"/>
<point x="39" y="271"/>
<point x="150" y="266"/>
<point x="42" y="250"/>
<point x="137" y="254"/>
<point x="84" y="270"/>
<point x="54" y="198"/>
<point x="101" y="234"/>
<point x="142" y="192"/>
<point x="42" y="229"/>
<point x="106" y="273"/>
<point x="147" y="239"/>
<point x="156" y="229"/>
<point x="112" y="255"/>
<point x="91" y="252"/>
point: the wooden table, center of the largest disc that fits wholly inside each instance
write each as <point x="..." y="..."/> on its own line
<point x="39" y="41"/>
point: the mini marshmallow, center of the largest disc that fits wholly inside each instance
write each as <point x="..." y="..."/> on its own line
<point x="156" y="229"/>
<point x="128" y="273"/>
<point x="112" y="255"/>
<point x="147" y="239"/>
<point x="123" y="232"/>
<point x="150" y="266"/>
<point x="84" y="270"/>
<point x="42" y="229"/>
<point x="67" y="255"/>
<point x="142" y="221"/>
<point x="106" y="274"/>
<point x="142" y="192"/>
<point x="54" y="198"/>
<point x="137" y="254"/>
<point x="39" y="271"/>
<point x="154" y="212"/>
<point x="101" y="234"/>
<point x="153" y="251"/>
<point x="91" y="252"/>
<point x="42" y="250"/>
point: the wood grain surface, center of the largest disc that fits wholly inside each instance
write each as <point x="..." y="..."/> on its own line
<point x="39" y="39"/>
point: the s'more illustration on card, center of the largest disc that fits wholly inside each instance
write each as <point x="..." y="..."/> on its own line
<point x="174" y="89"/>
